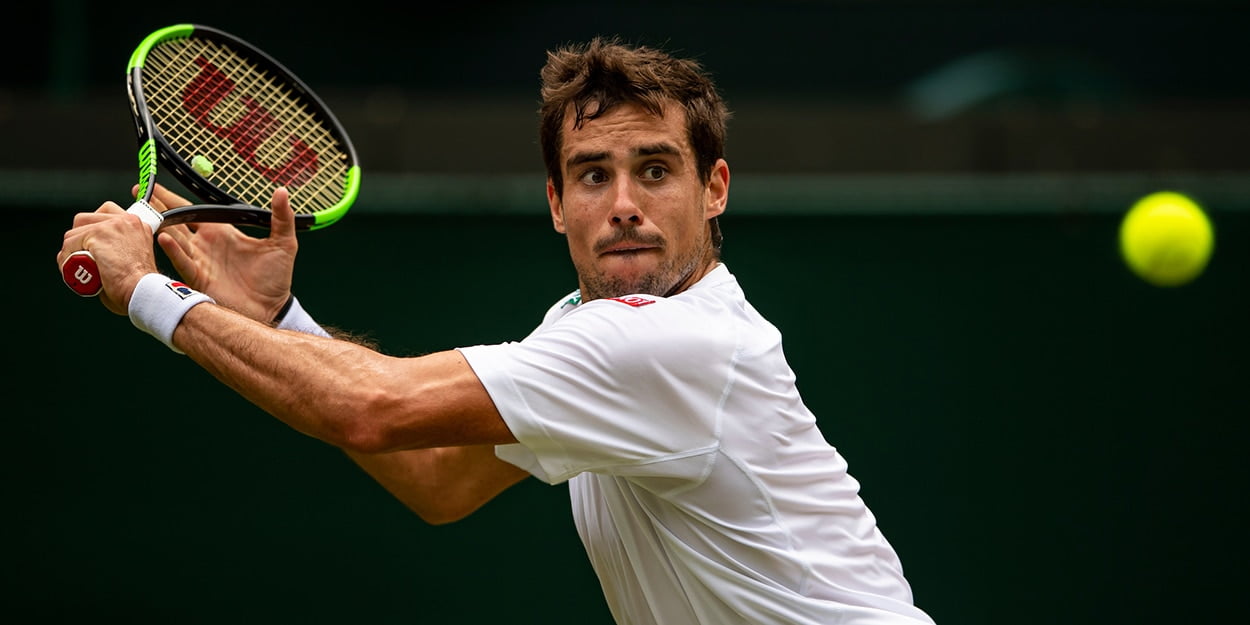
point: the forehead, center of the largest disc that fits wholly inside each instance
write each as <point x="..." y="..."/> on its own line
<point x="624" y="128"/>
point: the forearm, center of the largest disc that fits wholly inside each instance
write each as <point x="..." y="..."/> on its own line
<point x="301" y="379"/>
<point x="340" y="392"/>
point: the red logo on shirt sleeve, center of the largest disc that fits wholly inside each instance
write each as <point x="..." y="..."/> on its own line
<point x="633" y="300"/>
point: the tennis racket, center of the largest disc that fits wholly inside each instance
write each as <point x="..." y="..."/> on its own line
<point x="231" y="124"/>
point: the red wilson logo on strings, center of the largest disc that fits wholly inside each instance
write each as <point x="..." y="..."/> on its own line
<point x="251" y="130"/>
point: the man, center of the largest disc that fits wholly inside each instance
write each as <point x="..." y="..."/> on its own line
<point x="701" y="486"/>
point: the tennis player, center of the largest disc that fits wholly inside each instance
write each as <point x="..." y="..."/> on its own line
<point x="701" y="486"/>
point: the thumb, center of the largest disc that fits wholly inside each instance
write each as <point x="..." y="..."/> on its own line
<point x="282" y="223"/>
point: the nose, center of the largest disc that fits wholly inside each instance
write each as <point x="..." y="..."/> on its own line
<point x="625" y="210"/>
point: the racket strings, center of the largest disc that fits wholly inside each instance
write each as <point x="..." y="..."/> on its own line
<point x="209" y="101"/>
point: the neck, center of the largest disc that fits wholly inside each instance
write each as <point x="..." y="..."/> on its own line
<point x="695" y="274"/>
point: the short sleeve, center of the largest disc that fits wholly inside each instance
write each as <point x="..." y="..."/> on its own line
<point x="612" y="388"/>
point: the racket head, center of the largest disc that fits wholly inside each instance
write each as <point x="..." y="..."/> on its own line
<point x="200" y="95"/>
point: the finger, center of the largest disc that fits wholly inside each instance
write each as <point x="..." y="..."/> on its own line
<point x="102" y="213"/>
<point x="76" y="240"/>
<point x="179" y="254"/>
<point x="282" y="224"/>
<point x="68" y="249"/>
<point x="162" y="200"/>
<point x="156" y="203"/>
<point x="182" y="231"/>
<point x="167" y="198"/>
<point x="178" y="244"/>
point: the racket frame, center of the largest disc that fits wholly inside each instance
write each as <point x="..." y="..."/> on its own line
<point x="218" y="205"/>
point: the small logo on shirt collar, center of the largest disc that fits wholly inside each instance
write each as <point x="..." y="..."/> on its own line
<point x="633" y="300"/>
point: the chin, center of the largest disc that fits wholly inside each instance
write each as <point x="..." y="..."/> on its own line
<point x="618" y="284"/>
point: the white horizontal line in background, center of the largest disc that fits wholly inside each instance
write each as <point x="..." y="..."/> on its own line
<point x="763" y="195"/>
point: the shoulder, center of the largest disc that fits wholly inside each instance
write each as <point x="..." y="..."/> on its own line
<point x="706" y="321"/>
<point x="647" y="330"/>
<point x="662" y="315"/>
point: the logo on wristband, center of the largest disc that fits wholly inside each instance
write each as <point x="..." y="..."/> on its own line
<point x="181" y="290"/>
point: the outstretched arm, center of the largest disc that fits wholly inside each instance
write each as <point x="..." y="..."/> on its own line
<point x="424" y="427"/>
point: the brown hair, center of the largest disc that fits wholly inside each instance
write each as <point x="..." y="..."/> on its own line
<point x="600" y="74"/>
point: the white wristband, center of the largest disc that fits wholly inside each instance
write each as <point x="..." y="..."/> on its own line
<point x="296" y="318"/>
<point x="159" y="303"/>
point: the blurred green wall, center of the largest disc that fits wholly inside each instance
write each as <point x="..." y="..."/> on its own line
<point x="1043" y="437"/>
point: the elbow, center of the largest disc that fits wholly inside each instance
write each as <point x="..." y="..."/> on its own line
<point x="445" y="509"/>
<point x="362" y="436"/>
<point x="441" y="515"/>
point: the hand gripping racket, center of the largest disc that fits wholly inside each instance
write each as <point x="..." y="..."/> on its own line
<point x="232" y="124"/>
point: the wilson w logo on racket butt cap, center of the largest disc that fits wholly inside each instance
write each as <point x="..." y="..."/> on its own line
<point x="80" y="275"/>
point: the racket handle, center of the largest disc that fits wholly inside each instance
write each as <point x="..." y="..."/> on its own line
<point x="80" y="272"/>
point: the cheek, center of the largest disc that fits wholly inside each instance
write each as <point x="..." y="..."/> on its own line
<point x="688" y="222"/>
<point x="579" y="227"/>
<point x="583" y="208"/>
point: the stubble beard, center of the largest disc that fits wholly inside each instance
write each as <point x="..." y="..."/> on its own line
<point x="661" y="281"/>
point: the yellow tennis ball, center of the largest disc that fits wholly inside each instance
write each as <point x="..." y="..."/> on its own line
<point x="201" y="165"/>
<point x="1166" y="239"/>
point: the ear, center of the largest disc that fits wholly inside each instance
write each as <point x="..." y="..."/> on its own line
<point x="557" y="207"/>
<point x="717" y="189"/>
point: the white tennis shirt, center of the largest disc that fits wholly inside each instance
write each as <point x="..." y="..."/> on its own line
<point x="701" y="486"/>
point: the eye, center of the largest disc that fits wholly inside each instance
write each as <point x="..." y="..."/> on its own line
<point x="654" y="172"/>
<point x="593" y="177"/>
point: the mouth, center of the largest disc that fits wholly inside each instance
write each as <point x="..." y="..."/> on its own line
<point x="627" y="247"/>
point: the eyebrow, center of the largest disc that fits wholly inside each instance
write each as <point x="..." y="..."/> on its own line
<point x="644" y="150"/>
<point x="658" y="148"/>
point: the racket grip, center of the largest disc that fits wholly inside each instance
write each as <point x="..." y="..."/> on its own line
<point x="80" y="272"/>
<point x="146" y="214"/>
